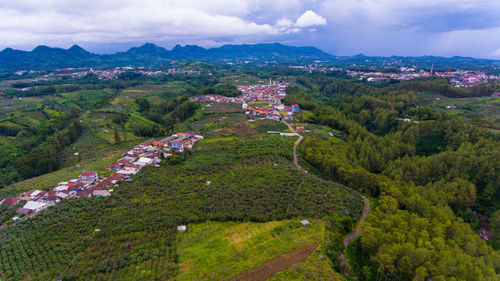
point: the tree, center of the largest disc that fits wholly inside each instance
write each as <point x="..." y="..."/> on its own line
<point x="117" y="135"/>
<point x="495" y="229"/>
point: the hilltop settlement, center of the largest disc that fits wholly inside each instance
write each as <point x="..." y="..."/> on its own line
<point x="252" y="95"/>
<point x="89" y="183"/>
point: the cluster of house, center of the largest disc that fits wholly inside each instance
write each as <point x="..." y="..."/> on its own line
<point x="272" y="92"/>
<point x="108" y="74"/>
<point x="89" y="183"/>
<point x="459" y="78"/>
<point x="86" y="185"/>
<point x="274" y="111"/>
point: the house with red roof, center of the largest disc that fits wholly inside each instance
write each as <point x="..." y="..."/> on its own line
<point x="10" y="201"/>
<point x="32" y="194"/>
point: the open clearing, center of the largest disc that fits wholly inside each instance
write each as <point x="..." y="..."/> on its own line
<point x="215" y="250"/>
<point x="276" y="264"/>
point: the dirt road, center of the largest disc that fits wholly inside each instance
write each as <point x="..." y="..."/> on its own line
<point x="355" y="234"/>
<point x="296" y="144"/>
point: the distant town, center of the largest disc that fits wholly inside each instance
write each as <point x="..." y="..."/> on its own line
<point x="105" y="74"/>
<point x="458" y="78"/>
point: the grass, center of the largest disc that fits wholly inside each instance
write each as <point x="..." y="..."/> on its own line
<point x="259" y="103"/>
<point x="214" y="121"/>
<point x="262" y="126"/>
<point x="485" y="110"/>
<point x="217" y="139"/>
<point x="316" y="267"/>
<point x="216" y="250"/>
<point x="225" y="107"/>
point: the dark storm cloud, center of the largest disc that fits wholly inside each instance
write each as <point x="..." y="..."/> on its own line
<point x="373" y="27"/>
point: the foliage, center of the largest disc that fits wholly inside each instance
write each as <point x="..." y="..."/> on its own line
<point x="227" y="90"/>
<point x="130" y="235"/>
<point x="424" y="173"/>
<point x="215" y="250"/>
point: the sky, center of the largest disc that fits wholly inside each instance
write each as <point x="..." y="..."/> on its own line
<point x="340" y="27"/>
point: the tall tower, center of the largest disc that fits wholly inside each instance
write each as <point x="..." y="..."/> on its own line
<point x="269" y="81"/>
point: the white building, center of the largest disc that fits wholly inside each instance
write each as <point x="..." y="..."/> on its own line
<point x="305" y="222"/>
<point x="145" y="161"/>
<point x="35" y="206"/>
<point x="60" y="188"/>
<point x="101" y="193"/>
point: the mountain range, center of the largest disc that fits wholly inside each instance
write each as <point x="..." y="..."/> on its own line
<point x="150" y="54"/>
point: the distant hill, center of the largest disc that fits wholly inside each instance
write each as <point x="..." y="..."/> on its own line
<point x="150" y="54"/>
<point x="442" y="63"/>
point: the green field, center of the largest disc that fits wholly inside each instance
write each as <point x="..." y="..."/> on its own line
<point x="215" y="251"/>
<point x="485" y="111"/>
<point x="316" y="267"/>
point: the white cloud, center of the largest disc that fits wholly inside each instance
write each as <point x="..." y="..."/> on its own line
<point x="310" y="18"/>
<point x="62" y="23"/>
<point x="284" y="23"/>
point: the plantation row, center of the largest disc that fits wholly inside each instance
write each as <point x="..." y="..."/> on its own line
<point x="131" y="235"/>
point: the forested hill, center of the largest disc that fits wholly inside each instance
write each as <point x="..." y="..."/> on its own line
<point x="43" y="57"/>
<point x="150" y="54"/>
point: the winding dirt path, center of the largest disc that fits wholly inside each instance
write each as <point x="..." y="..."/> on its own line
<point x="296" y="144"/>
<point x="358" y="230"/>
<point x="366" y="209"/>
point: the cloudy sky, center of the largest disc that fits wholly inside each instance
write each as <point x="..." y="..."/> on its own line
<point x="371" y="27"/>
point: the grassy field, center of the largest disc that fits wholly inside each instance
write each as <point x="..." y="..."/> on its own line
<point x="214" y="250"/>
<point x="316" y="267"/>
<point x="482" y="110"/>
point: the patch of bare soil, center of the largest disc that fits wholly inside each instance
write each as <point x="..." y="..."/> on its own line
<point x="237" y="129"/>
<point x="276" y="264"/>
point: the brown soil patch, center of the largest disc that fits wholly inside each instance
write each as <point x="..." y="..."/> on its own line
<point x="276" y="264"/>
<point x="238" y="129"/>
<point x="225" y="107"/>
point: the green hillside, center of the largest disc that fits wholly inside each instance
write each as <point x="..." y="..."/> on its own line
<point x="131" y="235"/>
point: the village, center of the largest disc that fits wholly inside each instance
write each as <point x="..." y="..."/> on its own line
<point x="272" y="93"/>
<point x="90" y="184"/>
<point x="458" y="78"/>
<point x="104" y="74"/>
